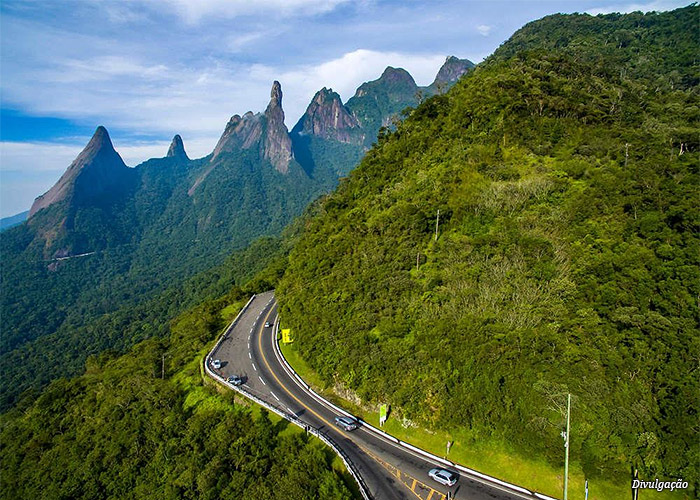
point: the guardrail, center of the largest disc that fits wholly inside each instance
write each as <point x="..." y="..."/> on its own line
<point x="484" y="477"/>
<point x="364" y="490"/>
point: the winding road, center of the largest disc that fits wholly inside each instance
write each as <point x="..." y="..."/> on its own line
<point x="389" y="471"/>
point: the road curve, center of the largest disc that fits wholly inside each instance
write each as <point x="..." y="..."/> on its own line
<point x="388" y="470"/>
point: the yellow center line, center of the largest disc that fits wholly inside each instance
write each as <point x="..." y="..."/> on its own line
<point x="262" y="353"/>
<point x="399" y="475"/>
<point x="330" y="426"/>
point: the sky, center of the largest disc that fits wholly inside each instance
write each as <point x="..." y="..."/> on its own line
<point x="150" y="69"/>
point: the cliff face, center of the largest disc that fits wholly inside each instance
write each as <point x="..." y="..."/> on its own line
<point x="277" y="145"/>
<point x="241" y="132"/>
<point x="97" y="172"/>
<point x="326" y="117"/>
<point x="264" y="131"/>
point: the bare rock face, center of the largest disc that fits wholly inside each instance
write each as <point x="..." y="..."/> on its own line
<point x="96" y="172"/>
<point x="397" y="77"/>
<point x="277" y="145"/>
<point x="451" y="71"/>
<point x="327" y="117"/>
<point x="241" y="132"/>
<point x="177" y="149"/>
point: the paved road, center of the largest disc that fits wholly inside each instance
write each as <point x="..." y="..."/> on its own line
<point x="389" y="471"/>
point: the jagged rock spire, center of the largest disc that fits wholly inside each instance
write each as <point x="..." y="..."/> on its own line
<point x="177" y="148"/>
<point x="277" y="145"/>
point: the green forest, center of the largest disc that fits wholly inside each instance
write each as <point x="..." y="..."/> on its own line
<point x="564" y="259"/>
<point x="150" y="250"/>
<point x="565" y="172"/>
<point x="146" y="425"/>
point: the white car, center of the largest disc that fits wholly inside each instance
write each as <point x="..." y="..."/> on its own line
<point x="216" y="364"/>
<point x="443" y="476"/>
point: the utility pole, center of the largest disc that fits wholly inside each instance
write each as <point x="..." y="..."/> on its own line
<point x="162" y="365"/>
<point x="417" y="261"/>
<point x="566" y="445"/>
<point x="437" y="224"/>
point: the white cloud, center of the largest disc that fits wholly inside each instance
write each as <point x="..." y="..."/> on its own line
<point x="28" y="170"/>
<point x="193" y="11"/>
<point x="624" y="8"/>
<point x="31" y="168"/>
<point x="344" y="75"/>
<point x="483" y="29"/>
<point x="154" y="99"/>
<point x="37" y="156"/>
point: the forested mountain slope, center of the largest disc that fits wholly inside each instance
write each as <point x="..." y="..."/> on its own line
<point x="565" y="171"/>
<point x="142" y="425"/>
<point x="108" y="239"/>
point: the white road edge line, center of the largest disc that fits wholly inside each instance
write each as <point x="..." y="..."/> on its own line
<point x="382" y="438"/>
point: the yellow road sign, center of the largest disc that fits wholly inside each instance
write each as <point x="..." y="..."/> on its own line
<point x="287" y="336"/>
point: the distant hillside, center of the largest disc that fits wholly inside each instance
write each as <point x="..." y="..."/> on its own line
<point x="107" y="239"/>
<point x="565" y="173"/>
<point x="13" y="220"/>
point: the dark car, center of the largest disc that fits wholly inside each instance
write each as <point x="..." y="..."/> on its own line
<point x="235" y="380"/>
<point x="346" y="423"/>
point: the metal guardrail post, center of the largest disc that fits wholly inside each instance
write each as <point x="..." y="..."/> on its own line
<point x="435" y="458"/>
<point x="291" y="418"/>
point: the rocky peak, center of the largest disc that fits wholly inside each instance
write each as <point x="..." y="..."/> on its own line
<point x="95" y="171"/>
<point x="397" y="76"/>
<point x="277" y="145"/>
<point x="275" y="96"/>
<point x="327" y="117"/>
<point x="451" y="71"/>
<point x="177" y="148"/>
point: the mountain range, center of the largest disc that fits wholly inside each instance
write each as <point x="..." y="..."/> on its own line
<point x="529" y="234"/>
<point x="107" y="235"/>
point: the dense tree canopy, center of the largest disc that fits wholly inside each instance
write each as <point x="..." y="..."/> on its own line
<point x="122" y="431"/>
<point x="565" y="170"/>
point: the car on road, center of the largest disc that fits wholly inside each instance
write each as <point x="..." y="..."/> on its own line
<point x="443" y="476"/>
<point x="216" y="364"/>
<point x="268" y="324"/>
<point x="235" y="380"/>
<point x="346" y="423"/>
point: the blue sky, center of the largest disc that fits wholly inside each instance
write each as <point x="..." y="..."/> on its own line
<point x="148" y="69"/>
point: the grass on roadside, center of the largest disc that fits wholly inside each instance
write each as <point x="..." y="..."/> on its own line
<point x="489" y="457"/>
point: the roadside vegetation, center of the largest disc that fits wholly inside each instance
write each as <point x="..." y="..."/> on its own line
<point x="133" y="426"/>
<point x="565" y="170"/>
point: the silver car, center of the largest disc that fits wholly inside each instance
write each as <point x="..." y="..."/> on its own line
<point x="235" y="380"/>
<point x="216" y="364"/>
<point x="346" y="423"/>
<point x="443" y="476"/>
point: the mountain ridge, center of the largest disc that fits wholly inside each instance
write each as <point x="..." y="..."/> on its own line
<point x="166" y="219"/>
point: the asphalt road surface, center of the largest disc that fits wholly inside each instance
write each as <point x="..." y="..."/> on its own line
<point x="389" y="471"/>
